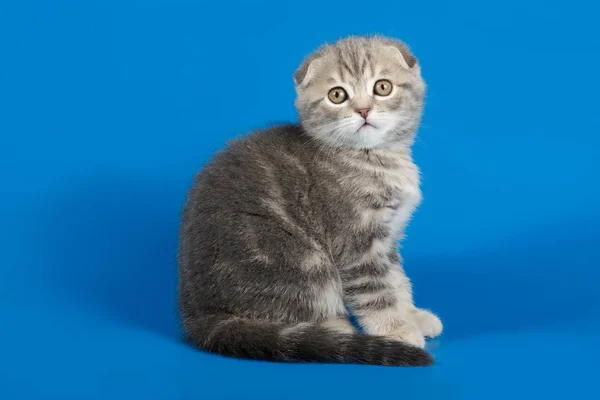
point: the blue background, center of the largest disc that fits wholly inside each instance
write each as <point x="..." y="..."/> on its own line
<point x="108" y="109"/>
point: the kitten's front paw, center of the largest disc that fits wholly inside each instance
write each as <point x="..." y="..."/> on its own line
<point x="408" y="333"/>
<point x="429" y="323"/>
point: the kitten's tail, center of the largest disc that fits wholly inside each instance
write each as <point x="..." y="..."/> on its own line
<point x="303" y="342"/>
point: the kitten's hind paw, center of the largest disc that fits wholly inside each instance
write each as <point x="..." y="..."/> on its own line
<point x="429" y="323"/>
<point x="408" y="333"/>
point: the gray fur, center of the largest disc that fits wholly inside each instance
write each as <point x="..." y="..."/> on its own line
<point x="287" y="226"/>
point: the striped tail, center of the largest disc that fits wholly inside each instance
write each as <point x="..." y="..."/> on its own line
<point x="303" y="342"/>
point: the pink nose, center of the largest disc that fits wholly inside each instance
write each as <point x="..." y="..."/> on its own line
<point x="364" y="112"/>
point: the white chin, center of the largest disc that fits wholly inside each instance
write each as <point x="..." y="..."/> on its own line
<point x="369" y="137"/>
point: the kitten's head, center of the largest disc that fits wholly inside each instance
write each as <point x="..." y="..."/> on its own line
<point x="360" y="92"/>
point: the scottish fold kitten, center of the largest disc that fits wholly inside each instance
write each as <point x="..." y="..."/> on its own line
<point x="292" y="226"/>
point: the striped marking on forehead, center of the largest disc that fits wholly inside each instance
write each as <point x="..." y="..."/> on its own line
<point x="354" y="61"/>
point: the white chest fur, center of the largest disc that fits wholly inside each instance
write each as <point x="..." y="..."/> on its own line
<point x="399" y="176"/>
<point x="405" y="181"/>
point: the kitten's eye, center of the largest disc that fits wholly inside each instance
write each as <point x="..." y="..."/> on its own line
<point x="383" y="87"/>
<point x="337" y="95"/>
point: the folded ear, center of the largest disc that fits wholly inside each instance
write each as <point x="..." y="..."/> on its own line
<point x="402" y="53"/>
<point x="307" y="70"/>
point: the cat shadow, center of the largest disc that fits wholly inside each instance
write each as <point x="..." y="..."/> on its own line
<point x="112" y="243"/>
<point x="543" y="279"/>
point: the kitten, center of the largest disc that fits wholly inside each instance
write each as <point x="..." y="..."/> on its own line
<point x="290" y="225"/>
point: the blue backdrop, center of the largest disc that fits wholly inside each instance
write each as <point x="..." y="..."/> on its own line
<point x="108" y="108"/>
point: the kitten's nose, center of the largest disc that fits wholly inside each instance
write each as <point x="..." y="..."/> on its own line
<point x="364" y="112"/>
